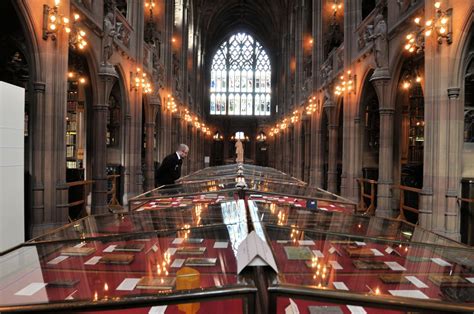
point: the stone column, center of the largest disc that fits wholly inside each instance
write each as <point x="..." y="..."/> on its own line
<point x="356" y="163"/>
<point x="37" y="116"/>
<point x="149" y="169"/>
<point x="455" y="147"/>
<point x="107" y="75"/>
<point x="381" y="79"/>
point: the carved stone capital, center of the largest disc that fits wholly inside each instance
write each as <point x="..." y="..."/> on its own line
<point x="453" y="93"/>
<point x="39" y="87"/>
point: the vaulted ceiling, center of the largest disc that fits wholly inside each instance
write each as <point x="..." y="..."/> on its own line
<point x="263" y="19"/>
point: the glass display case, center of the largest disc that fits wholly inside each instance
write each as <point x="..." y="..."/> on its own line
<point x="360" y="270"/>
<point x="179" y="249"/>
<point x="182" y="270"/>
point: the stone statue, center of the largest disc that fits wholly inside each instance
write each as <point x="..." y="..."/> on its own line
<point x="108" y="39"/>
<point x="326" y="72"/>
<point x="327" y="98"/>
<point x="379" y="36"/>
<point x="239" y="151"/>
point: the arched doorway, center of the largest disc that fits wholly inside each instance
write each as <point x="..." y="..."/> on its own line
<point x="409" y="133"/>
<point x="79" y="117"/>
<point x="467" y="171"/>
<point x="369" y="133"/>
<point x="115" y="142"/>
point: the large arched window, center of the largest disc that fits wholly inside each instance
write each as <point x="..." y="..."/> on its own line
<point x="240" y="78"/>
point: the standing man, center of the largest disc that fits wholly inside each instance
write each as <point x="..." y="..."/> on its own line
<point x="170" y="168"/>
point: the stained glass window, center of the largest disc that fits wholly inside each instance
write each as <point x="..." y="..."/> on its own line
<point x="240" y="78"/>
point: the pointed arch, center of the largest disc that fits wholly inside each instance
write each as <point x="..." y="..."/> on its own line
<point x="240" y="78"/>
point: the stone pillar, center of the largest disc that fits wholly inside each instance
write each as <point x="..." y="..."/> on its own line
<point x="332" y="159"/>
<point x="107" y="75"/>
<point x="356" y="163"/>
<point x="315" y="160"/>
<point x="455" y="148"/>
<point x="381" y="79"/>
<point x="37" y="116"/>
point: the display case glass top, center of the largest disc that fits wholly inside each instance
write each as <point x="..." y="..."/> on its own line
<point x="123" y="268"/>
<point x="378" y="270"/>
<point x="156" y="215"/>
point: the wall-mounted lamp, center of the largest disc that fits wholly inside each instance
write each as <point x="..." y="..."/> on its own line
<point x="311" y="107"/>
<point x="346" y="83"/>
<point x="294" y="117"/>
<point x="150" y="4"/>
<point x="53" y="21"/>
<point x="336" y="6"/>
<point x="441" y="25"/>
<point x="410" y="80"/>
<point x="171" y="104"/>
<point x="217" y="137"/>
<point x="77" y="36"/>
<point x="261" y="137"/>
<point x="139" y="80"/>
<point x="73" y="76"/>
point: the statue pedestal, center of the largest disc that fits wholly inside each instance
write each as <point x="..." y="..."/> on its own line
<point x="380" y="74"/>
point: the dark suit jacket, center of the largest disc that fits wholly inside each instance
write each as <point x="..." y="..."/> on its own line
<point x="169" y="170"/>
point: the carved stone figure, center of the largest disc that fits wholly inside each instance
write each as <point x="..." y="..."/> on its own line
<point x="108" y="39"/>
<point x="239" y="152"/>
<point x="176" y="74"/>
<point x="327" y="98"/>
<point x="379" y="37"/>
<point x="326" y="71"/>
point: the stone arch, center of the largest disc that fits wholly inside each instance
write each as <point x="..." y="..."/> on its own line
<point x="369" y="127"/>
<point x="462" y="51"/>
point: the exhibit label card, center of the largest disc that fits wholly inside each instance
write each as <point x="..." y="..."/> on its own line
<point x="306" y="242"/>
<point x="359" y="243"/>
<point x="178" y="241"/>
<point x="292" y="308"/>
<point x="417" y="282"/>
<point x="80" y="244"/>
<point x="221" y="244"/>
<point x="417" y="294"/>
<point x="355" y="309"/>
<point x="339" y="285"/>
<point x="254" y="248"/>
<point x="440" y="261"/>
<point x="171" y="251"/>
<point x="177" y="263"/>
<point x="470" y="279"/>
<point x="92" y="261"/>
<point x="31" y="289"/>
<point x="110" y="248"/>
<point x="395" y="266"/>
<point x="318" y="253"/>
<point x="158" y="309"/>
<point x="128" y="284"/>
<point x="376" y="252"/>
<point x="335" y="265"/>
<point x="58" y="260"/>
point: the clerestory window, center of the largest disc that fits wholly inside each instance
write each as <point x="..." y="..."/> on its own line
<point x="240" y="78"/>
